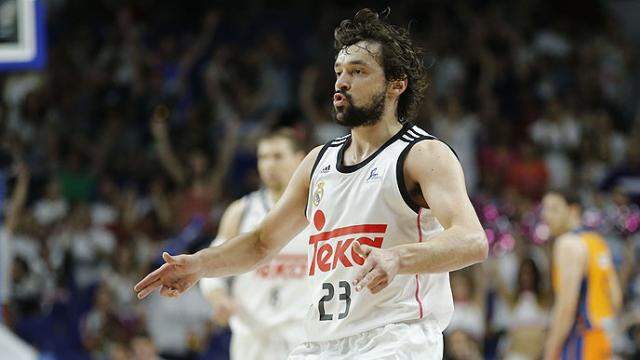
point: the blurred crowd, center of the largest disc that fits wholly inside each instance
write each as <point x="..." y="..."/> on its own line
<point x="142" y="129"/>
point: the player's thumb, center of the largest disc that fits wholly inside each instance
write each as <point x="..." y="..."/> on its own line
<point x="171" y="259"/>
<point x="362" y="250"/>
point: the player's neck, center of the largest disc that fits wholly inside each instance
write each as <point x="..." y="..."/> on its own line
<point x="365" y="140"/>
<point x="573" y="224"/>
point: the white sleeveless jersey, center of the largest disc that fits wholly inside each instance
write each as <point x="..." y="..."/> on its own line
<point x="272" y="297"/>
<point x="368" y="203"/>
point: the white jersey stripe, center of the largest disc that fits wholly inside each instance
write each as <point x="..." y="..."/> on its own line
<point x="410" y="132"/>
<point x="420" y="131"/>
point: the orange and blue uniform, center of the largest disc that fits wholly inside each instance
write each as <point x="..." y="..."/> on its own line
<point x="588" y="339"/>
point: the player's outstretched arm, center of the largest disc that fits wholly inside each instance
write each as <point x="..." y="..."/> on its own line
<point x="433" y="167"/>
<point x="243" y="252"/>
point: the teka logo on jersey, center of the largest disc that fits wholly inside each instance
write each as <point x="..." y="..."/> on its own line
<point x="327" y="255"/>
<point x="284" y="266"/>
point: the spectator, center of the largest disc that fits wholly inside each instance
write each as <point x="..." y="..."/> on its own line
<point x="52" y="207"/>
<point x="529" y="175"/>
<point x="460" y="131"/>
<point x="468" y="302"/>
<point x="88" y="246"/>
<point x="530" y="307"/>
<point x="558" y="134"/>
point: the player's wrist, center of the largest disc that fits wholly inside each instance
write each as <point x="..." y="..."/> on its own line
<point x="200" y="261"/>
<point x="400" y="254"/>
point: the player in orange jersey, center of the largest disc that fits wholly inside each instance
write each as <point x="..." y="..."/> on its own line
<point x="587" y="291"/>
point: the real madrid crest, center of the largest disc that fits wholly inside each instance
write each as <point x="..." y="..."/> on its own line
<point x="318" y="192"/>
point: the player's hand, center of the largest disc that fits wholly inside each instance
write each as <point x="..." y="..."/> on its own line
<point x="177" y="275"/>
<point x="379" y="268"/>
<point x="159" y="127"/>
<point x="225" y="307"/>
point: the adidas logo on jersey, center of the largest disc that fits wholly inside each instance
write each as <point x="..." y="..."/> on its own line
<point x="325" y="169"/>
<point x="327" y="255"/>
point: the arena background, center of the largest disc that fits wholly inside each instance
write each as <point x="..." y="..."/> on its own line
<point x="141" y="126"/>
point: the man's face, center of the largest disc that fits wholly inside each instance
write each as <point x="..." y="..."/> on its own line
<point x="277" y="161"/>
<point x="555" y="213"/>
<point x="361" y="87"/>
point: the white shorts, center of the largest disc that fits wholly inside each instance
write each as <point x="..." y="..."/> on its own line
<point x="257" y="347"/>
<point x="399" y="341"/>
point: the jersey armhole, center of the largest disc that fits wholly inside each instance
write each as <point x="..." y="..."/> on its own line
<point x="402" y="186"/>
<point x="245" y="209"/>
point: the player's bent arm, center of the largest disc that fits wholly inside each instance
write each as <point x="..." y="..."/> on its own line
<point x="284" y="221"/>
<point x="434" y="167"/>
<point x="230" y="222"/>
<point x="615" y="293"/>
<point x="566" y="302"/>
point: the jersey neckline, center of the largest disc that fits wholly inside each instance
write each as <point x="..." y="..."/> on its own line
<point x="341" y="167"/>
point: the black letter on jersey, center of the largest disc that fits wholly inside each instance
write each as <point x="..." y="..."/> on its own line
<point x="346" y="296"/>
<point x="328" y="297"/>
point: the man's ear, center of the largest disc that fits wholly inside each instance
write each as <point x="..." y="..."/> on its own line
<point x="398" y="87"/>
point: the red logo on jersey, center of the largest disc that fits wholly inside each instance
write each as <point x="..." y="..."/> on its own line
<point x="327" y="256"/>
<point x="284" y="267"/>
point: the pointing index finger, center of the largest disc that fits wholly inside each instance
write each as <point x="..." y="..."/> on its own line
<point x="150" y="278"/>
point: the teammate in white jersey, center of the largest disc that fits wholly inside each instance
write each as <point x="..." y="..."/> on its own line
<point x="267" y="305"/>
<point x="389" y="211"/>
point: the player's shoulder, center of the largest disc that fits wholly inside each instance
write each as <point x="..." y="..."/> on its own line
<point x="424" y="145"/>
<point x="236" y="208"/>
<point x="570" y="243"/>
<point x="315" y="151"/>
<point x="431" y="148"/>
<point x="311" y="160"/>
<point x="430" y="155"/>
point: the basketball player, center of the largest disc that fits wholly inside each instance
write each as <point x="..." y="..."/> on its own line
<point x="587" y="292"/>
<point x="267" y="305"/>
<point x="389" y="211"/>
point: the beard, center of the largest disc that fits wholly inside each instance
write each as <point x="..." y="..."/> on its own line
<point x="353" y="116"/>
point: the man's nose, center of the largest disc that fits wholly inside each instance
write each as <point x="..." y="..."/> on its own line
<point x="342" y="83"/>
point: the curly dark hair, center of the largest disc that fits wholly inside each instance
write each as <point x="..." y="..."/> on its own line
<point x="400" y="58"/>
